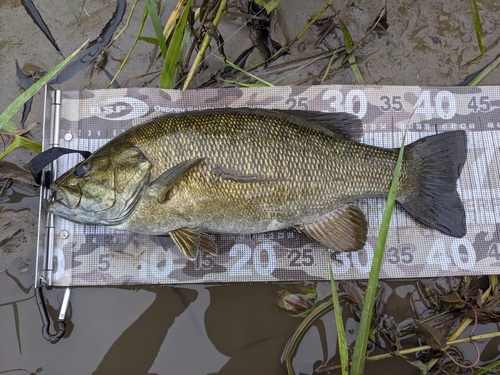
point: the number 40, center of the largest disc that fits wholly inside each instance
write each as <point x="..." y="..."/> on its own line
<point x="439" y="254"/>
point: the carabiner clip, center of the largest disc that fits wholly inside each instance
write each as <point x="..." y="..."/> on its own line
<point x="52" y="338"/>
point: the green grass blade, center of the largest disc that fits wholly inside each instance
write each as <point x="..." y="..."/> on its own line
<point x="155" y="19"/>
<point x="487" y="70"/>
<point x="300" y="332"/>
<point x="127" y="56"/>
<point x="352" y="60"/>
<point x="185" y="43"/>
<point x="21" y="142"/>
<point x="9" y="126"/>
<point x="328" y="67"/>
<point x="148" y="39"/>
<point x="492" y="368"/>
<point x="268" y="5"/>
<point x="478" y="27"/>
<point x="343" y="350"/>
<point x="359" y="355"/>
<point x="244" y="84"/>
<point x="127" y="23"/>
<point x="174" y="16"/>
<point x="172" y="57"/>
<point x="72" y="7"/>
<point x="204" y="45"/>
<point x="493" y="279"/>
<point x="18" y="103"/>
<point x="244" y="71"/>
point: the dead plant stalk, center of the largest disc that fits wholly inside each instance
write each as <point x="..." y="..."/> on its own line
<point x="204" y="46"/>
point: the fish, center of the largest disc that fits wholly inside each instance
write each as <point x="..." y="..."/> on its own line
<point x="249" y="170"/>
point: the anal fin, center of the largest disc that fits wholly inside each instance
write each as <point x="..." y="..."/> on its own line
<point x="344" y="229"/>
<point x="190" y="240"/>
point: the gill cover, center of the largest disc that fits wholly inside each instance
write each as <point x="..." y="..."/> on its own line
<point x="103" y="189"/>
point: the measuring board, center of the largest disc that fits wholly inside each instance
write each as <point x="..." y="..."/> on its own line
<point x="72" y="254"/>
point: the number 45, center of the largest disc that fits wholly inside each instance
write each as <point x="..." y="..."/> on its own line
<point x="484" y="104"/>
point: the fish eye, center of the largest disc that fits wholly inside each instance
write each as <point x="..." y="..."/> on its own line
<point x="81" y="171"/>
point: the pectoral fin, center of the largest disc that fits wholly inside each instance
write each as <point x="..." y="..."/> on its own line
<point x="343" y="230"/>
<point x="189" y="240"/>
<point x="167" y="179"/>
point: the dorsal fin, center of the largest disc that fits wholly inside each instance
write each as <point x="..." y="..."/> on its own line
<point x="339" y="125"/>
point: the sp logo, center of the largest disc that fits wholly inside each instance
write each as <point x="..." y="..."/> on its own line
<point x="121" y="109"/>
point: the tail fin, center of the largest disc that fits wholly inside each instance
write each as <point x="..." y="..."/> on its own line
<point x="428" y="183"/>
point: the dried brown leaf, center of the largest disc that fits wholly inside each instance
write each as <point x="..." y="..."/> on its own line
<point x="484" y="315"/>
<point x="452" y="301"/>
<point x="430" y="335"/>
<point x="292" y="302"/>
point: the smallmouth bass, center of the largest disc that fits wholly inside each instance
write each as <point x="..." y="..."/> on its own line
<point x="253" y="170"/>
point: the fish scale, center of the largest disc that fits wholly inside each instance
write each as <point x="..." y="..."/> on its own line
<point x="304" y="177"/>
<point x="252" y="170"/>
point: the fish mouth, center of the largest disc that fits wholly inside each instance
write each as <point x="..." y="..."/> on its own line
<point x="70" y="196"/>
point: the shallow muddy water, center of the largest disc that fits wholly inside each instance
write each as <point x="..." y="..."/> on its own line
<point x="208" y="329"/>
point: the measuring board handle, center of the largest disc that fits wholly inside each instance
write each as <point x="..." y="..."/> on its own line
<point x="39" y="162"/>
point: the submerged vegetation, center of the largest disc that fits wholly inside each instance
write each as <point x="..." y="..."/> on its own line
<point x="183" y="43"/>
